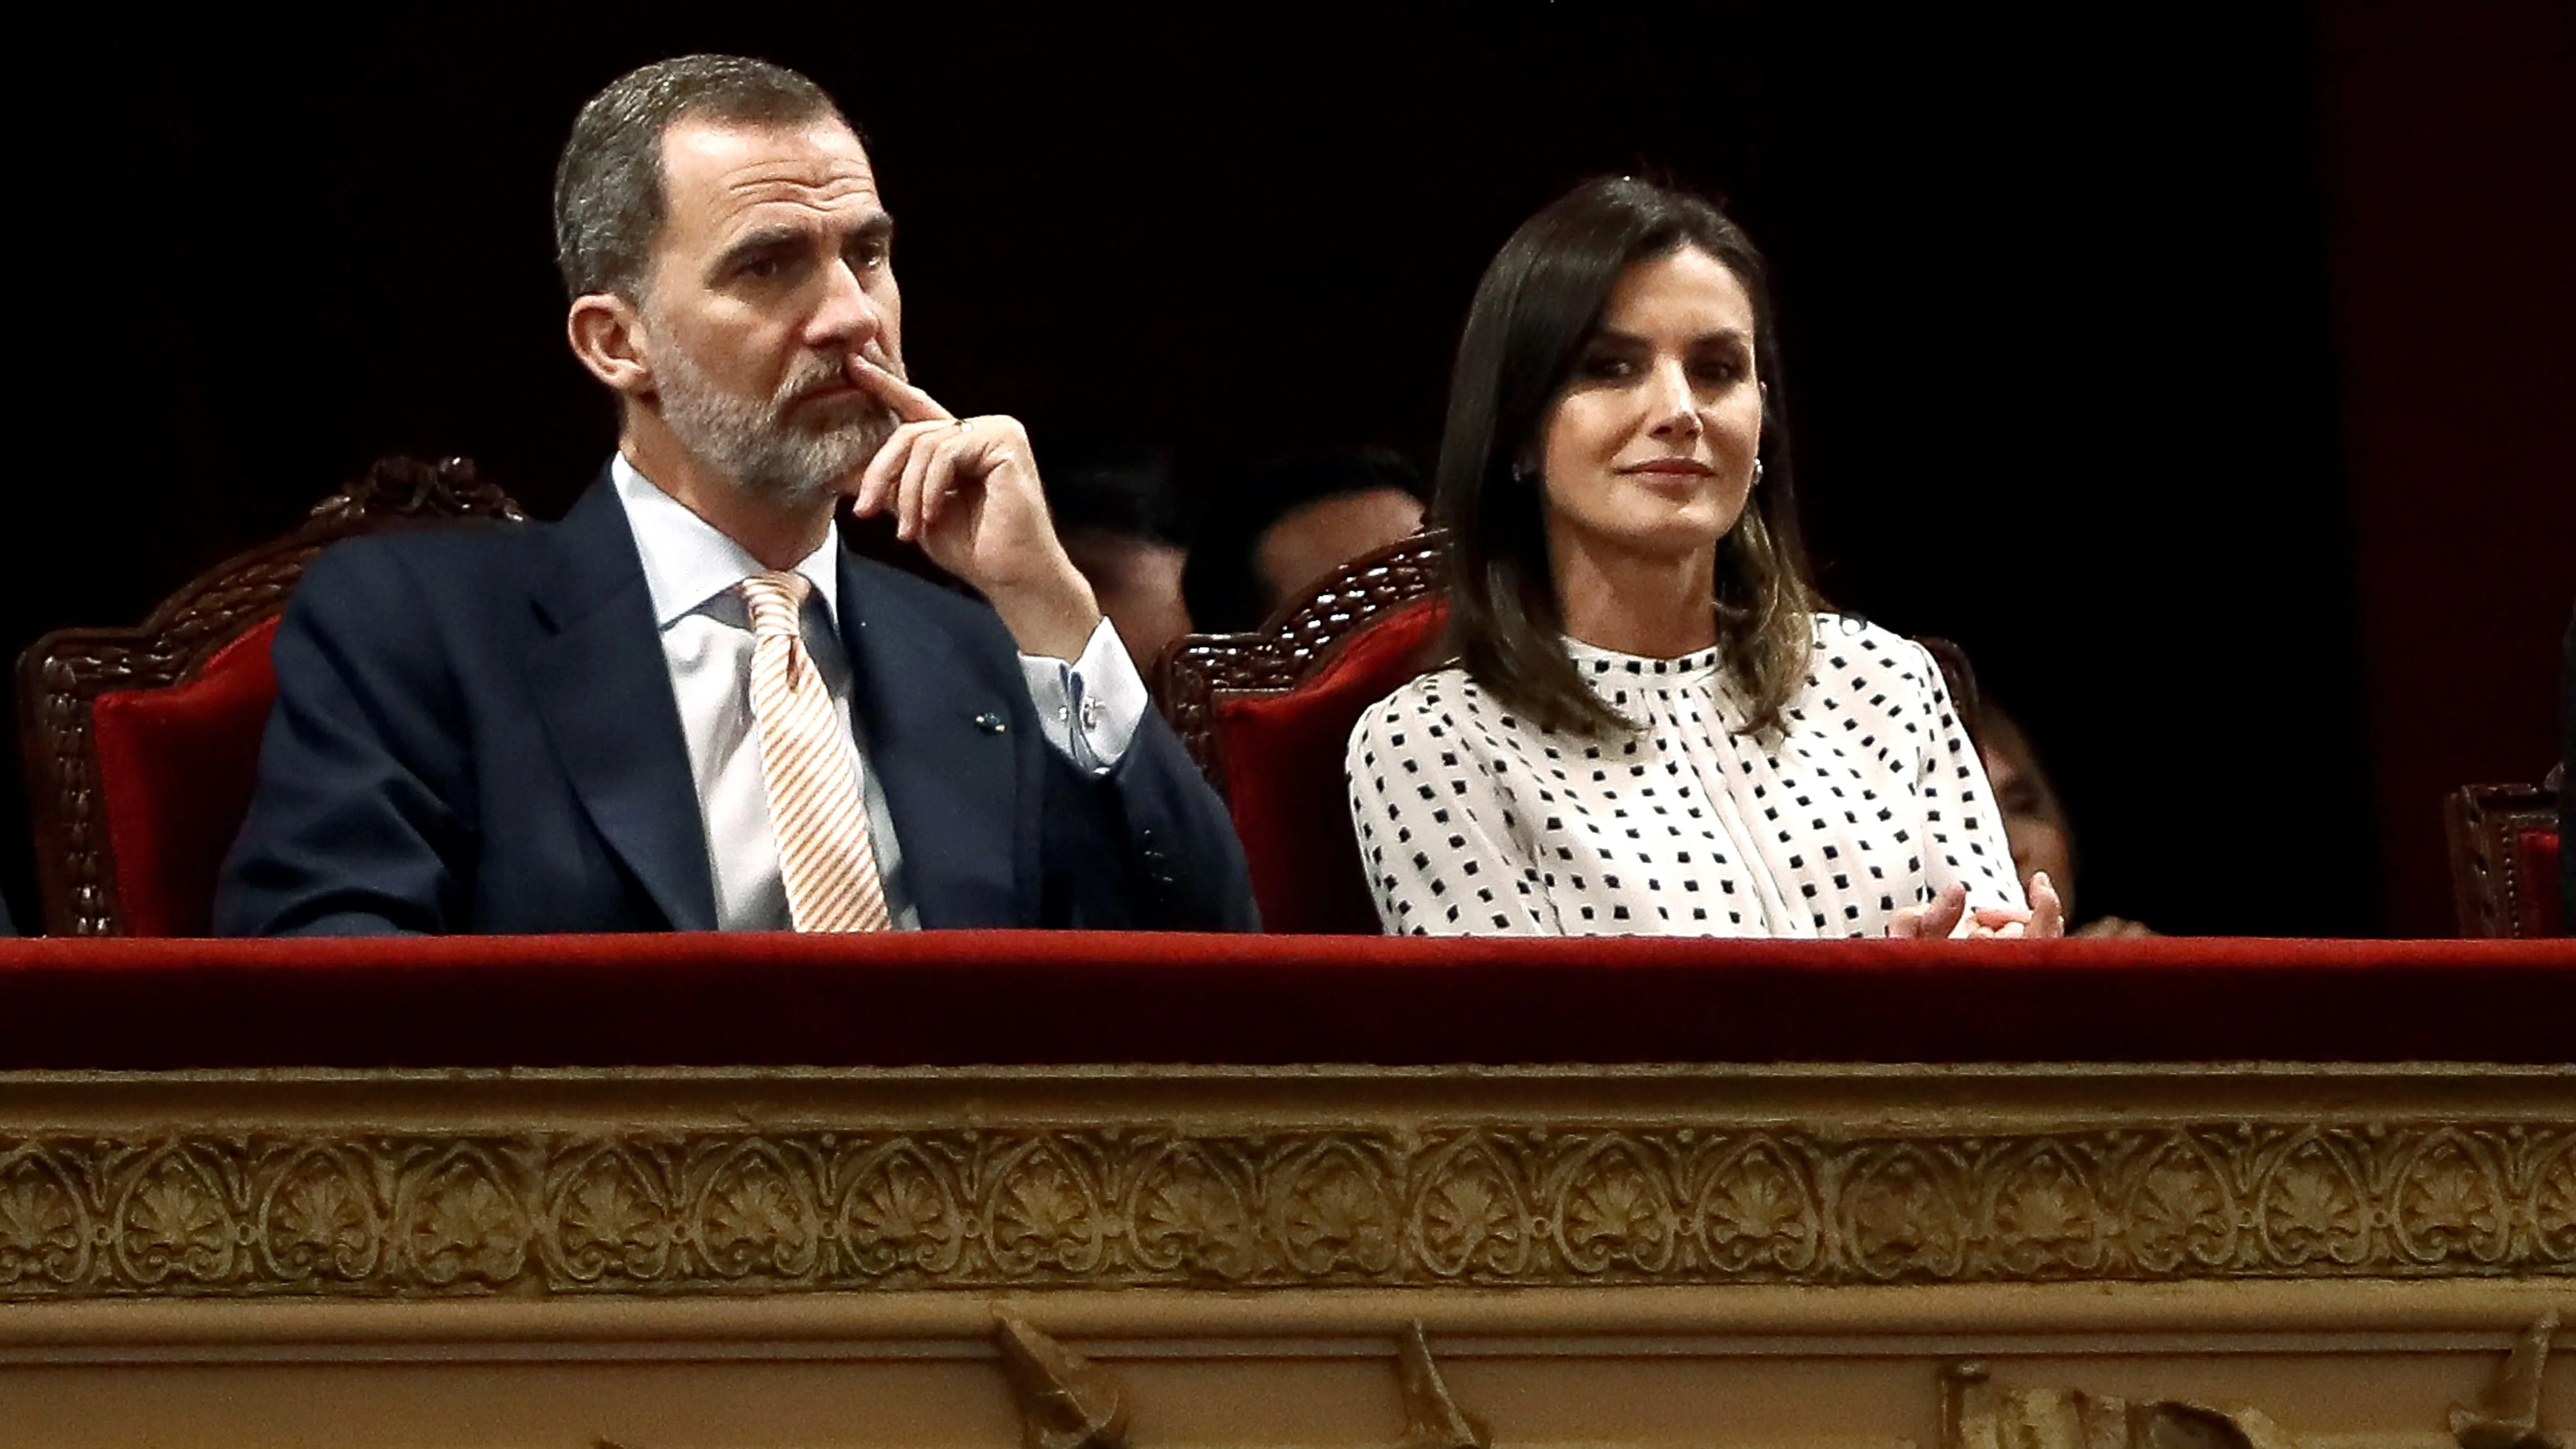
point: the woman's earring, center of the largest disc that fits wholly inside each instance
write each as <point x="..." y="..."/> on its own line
<point x="1757" y="474"/>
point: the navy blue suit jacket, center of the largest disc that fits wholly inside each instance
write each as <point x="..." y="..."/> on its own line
<point x="475" y="732"/>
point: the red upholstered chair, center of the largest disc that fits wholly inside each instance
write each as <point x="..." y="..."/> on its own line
<point x="141" y="743"/>
<point x="2504" y="860"/>
<point x="1267" y="715"/>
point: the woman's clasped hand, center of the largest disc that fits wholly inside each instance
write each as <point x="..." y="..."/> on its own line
<point x="1649" y="722"/>
<point x="1947" y="915"/>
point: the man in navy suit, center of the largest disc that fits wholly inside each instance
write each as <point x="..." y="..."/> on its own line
<point x="519" y="728"/>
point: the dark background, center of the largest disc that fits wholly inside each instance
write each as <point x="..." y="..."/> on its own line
<point x="2204" y="369"/>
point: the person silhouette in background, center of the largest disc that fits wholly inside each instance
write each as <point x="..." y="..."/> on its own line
<point x="1125" y="531"/>
<point x="2035" y="822"/>
<point x="1293" y="521"/>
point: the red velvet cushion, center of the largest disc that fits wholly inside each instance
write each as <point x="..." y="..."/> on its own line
<point x="2542" y="912"/>
<point x="175" y="768"/>
<point x="1283" y="772"/>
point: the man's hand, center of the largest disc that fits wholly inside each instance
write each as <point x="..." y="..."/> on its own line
<point x="1948" y="916"/>
<point x="967" y="491"/>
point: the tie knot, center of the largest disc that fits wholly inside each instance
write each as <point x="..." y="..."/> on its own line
<point x="775" y="600"/>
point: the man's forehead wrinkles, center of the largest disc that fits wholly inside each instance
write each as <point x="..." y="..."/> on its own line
<point x="835" y="175"/>
<point x="752" y="206"/>
<point x="754" y="190"/>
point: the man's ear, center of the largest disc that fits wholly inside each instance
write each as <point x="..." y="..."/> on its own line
<point x="607" y="334"/>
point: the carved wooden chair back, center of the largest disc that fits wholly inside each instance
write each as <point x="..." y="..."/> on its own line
<point x="2504" y="860"/>
<point x="128" y="838"/>
<point x="1266" y="715"/>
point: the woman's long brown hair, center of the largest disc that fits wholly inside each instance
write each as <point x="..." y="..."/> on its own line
<point x="1540" y="302"/>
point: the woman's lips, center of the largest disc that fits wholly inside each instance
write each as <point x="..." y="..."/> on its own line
<point x="1672" y="468"/>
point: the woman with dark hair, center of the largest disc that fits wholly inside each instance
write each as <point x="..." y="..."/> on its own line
<point x="1650" y="726"/>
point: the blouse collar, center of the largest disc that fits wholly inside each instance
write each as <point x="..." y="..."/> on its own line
<point x="1596" y="663"/>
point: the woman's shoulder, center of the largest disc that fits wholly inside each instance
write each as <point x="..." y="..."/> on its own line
<point x="1442" y="694"/>
<point x="1851" y="650"/>
<point x="1445" y="708"/>
<point x="1859" y="643"/>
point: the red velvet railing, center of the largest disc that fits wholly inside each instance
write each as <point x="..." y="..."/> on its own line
<point x="1011" y="997"/>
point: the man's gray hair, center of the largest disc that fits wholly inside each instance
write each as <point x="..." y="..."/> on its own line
<point x="610" y="200"/>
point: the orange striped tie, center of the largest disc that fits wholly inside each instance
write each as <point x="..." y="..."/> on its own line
<point x="824" y="855"/>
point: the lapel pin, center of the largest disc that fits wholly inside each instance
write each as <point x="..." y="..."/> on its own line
<point x="990" y="722"/>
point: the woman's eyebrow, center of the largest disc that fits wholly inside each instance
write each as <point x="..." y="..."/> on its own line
<point x="1616" y="337"/>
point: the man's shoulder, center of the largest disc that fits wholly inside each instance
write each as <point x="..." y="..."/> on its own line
<point x="411" y="582"/>
<point x="471" y="551"/>
<point x="884" y="587"/>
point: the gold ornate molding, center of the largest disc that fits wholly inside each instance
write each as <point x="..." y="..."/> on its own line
<point x="1978" y="1413"/>
<point x="1432" y="1417"/>
<point x="2507" y="1415"/>
<point x="1065" y="1400"/>
<point x="349" y="1213"/>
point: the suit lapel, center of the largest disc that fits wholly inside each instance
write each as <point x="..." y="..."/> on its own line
<point x="604" y="691"/>
<point x="926" y="716"/>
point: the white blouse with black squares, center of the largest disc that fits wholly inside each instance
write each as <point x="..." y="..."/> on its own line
<point x="1471" y="820"/>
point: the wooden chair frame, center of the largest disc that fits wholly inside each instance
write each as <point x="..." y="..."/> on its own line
<point x="1202" y="669"/>
<point x="2486" y="824"/>
<point x="62" y="673"/>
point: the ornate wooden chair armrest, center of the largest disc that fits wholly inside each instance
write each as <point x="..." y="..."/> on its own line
<point x="185" y="641"/>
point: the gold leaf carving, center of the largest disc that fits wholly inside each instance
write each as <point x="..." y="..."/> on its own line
<point x="1901" y="1217"/>
<point x="2450" y="1204"/>
<point x="1613" y="1208"/>
<point x="2181" y="1211"/>
<point x="1189" y="1218"/>
<point x="44" y="1230"/>
<point x="461" y="1221"/>
<point x="319" y="1221"/>
<point x="173" y="1221"/>
<point x="2553" y="1205"/>
<point x="1758" y="1211"/>
<point x="756" y="1216"/>
<point x="1143" y="1204"/>
<point x="607" y="1218"/>
<point x="899" y="1214"/>
<point x="2043" y="1215"/>
<point x="1335" y="1213"/>
<point x="2311" y="1207"/>
<point x="1044" y="1214"/>
<point x="1468" y="1217"/>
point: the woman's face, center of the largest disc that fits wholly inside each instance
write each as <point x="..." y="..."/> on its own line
<point x="1650" y="448"/>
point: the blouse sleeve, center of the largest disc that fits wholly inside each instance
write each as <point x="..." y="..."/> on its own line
<point x="1966" y="831"/>
<point x="1432" y="816"/>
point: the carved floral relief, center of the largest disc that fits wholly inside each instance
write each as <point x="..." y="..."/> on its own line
<point x="1466" y="1203"/>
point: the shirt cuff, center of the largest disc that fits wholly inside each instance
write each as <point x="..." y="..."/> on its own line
<point x="1091" y="707"/>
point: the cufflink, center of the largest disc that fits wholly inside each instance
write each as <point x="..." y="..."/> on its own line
<point x="990" y="722"/>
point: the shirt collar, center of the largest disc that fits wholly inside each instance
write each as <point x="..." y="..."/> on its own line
<point x="687" y="562"/>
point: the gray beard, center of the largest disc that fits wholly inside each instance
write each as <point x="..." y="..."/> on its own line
<point x="795" y="462"/>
